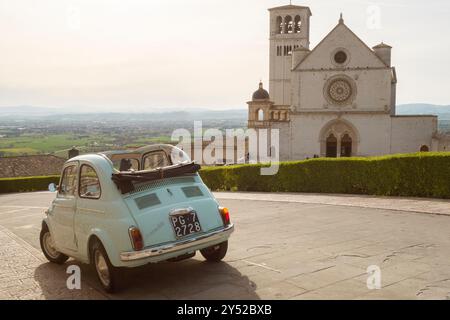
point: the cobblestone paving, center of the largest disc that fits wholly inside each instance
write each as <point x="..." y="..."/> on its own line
<point x="25" y="274"/>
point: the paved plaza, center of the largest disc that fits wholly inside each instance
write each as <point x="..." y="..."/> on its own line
<point x="286" y="246"/>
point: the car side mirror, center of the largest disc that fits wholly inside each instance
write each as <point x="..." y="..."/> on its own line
<point x="52" y="187"/>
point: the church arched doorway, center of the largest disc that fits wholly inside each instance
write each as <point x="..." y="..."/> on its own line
<point x="331" y="151"/>
<point x="339" y="138"/>
<point x="346" y="146"/>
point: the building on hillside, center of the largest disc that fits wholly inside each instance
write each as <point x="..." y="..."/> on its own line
<point x="336" y="100"/>
<point x="28" y="166"/>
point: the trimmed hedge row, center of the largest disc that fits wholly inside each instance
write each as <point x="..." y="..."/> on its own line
<point x="25" y="184"/>
<point x="414" y="175"/>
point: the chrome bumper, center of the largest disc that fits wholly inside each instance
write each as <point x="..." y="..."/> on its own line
<point x="160" y="250"/>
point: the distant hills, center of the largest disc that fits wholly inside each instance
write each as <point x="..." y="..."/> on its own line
<point x="24" y="112"/>
<point x="28" y="111"/>
<point x="442" y="111"/>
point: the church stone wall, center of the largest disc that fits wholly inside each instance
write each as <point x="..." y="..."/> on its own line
<point x="372" y="132"/>
<point x="410" y="133"/>
<point x="360" y="56"/>
<point x="285" y="141"/>
<point x="444" y="143"/>
<point x="372" y="90"/>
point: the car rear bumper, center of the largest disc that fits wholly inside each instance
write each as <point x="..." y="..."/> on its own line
<point x="178" y="246"/>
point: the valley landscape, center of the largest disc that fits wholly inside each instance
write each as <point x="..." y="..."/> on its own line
<point x="33" y="130"/>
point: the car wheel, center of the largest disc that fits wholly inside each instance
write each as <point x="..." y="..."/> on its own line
<point x="48" y="247"/>
<point x="215" y="253"/>
<point x="107" y="274"/>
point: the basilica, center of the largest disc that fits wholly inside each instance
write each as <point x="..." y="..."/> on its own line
<point x="335" y="100"/>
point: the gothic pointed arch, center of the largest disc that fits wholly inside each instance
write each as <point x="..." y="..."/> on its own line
<point x="346" y="134"/>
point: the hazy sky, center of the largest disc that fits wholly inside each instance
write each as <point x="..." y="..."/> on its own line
<point x="140" y="55"/>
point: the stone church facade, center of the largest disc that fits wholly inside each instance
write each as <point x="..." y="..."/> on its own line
<point x="336" y="100"/>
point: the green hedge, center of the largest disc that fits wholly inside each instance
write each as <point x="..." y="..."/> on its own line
<point x="415" y="175"/>
<point x="26" y="184"/>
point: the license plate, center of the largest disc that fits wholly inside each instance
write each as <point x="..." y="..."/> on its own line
<point x="185" y="224"/>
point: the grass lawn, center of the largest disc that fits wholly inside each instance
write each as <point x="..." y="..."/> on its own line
<point x="18" y="151"/>
<point x="33" y="144"/>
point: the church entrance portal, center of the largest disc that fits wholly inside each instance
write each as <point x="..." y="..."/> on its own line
<point x="346" y="146"/>
<point x="338" y="138"/>
<point x="331" y="146"/>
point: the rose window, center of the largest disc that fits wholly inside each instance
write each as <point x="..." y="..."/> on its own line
<point x="340" y="91"/>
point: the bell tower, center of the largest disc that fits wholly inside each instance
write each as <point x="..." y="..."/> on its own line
<point x="289" y="30"/>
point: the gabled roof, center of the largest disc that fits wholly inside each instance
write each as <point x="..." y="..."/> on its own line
<point x="291" y="6"/>
<point x="340" y="24"/>
<point x="27" y="166"/>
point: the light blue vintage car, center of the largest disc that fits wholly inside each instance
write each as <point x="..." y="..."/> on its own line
<point x="125" y="209"/>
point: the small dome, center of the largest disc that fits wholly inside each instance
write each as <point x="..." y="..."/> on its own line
<point x="261" y="93"/>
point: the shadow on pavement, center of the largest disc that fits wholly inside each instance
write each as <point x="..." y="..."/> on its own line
<point x="52" y="280"/>
<point x="189" y="279"/>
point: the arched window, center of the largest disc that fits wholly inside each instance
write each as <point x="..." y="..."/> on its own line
<point x="424" y="148"/>
<point x="346" y="146"/>
<point x="297" y="24"/>
<point x="260" y="115"/>
<point x="279" y="25"/>
<point x="289" y="24"/>
<point x="331" y="151"/>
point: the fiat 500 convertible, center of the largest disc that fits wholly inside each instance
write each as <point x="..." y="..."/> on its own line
<point x="119" y="210"/>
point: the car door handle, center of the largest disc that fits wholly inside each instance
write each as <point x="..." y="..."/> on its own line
<point x="64" y="207"/>
<point x="81" y="209"/>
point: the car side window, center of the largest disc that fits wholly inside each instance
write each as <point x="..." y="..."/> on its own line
<point x="68" y="181"/>
<point x="155" y="160"/>
<point x="89" y="183"/>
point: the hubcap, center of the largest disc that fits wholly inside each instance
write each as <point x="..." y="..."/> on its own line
<point x="49" y="246"/>
<point x="102" y="268"/>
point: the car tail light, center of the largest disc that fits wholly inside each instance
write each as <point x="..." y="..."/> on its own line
<point x="225" y="213"/>
<point x="136" y="238"/>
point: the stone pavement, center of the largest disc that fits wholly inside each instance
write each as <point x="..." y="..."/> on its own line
<point x="419" y="205"/>
<point x="286" y="246"/>
<point x="26" y="274"/>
